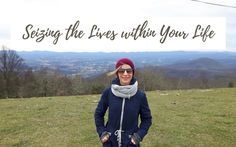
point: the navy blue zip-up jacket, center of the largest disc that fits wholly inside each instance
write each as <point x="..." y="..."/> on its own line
<point x="135" y="107"/>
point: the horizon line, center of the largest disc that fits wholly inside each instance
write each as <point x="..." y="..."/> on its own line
<point x="125" y="51"/>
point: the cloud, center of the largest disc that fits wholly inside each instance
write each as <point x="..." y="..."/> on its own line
<point x="59" y="14"/>
<point x="5" y="32"/>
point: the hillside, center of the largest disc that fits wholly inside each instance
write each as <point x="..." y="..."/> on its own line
<point x="180" y="118"/>
<point x="93" y="64"/>
<point x="198" y="64"/>
<point x="42" y="74"/>
<point x="195" y="68"/>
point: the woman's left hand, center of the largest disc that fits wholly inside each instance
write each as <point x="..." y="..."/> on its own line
<point x="132" y="141"/>
<point x="135" y="139"/>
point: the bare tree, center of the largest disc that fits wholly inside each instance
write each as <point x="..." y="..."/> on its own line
<point x="151" y="78"/>
<point x="50" y="82"/>
<point x="204" y="80"/>
<point x="10" y="68"/>
<point x="28" y="86"/>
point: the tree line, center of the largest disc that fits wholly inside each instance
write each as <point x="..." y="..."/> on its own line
<point x="17" y="80"/>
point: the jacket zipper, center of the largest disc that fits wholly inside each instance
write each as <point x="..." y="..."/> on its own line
<point x="118" y="132"/>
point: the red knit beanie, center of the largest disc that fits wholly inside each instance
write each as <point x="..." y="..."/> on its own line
<point x="123" y="61"/>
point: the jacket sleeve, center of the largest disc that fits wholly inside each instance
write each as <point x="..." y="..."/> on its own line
<point x="100" y="112"/>
<point x="146" y="118"/>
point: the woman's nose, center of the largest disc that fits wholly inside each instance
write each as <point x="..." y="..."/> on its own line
<point x="125" y="72"/>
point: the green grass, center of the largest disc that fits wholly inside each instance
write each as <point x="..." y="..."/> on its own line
<point x="180" y="118"/>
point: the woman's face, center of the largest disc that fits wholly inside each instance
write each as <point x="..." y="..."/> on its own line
<point x="125" y="74"/>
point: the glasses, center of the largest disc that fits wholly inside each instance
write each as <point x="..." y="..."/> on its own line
<point x="128" y="71"/>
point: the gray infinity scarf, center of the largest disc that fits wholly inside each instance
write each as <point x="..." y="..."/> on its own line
<point x="124" y="91"/>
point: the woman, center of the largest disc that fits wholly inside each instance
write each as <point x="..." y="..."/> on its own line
<point x="126" y="103"/>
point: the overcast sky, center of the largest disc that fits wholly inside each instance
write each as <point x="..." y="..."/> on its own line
<point x="59" y="14"/>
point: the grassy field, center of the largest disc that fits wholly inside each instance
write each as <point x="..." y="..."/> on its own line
<point x="180" y="118"/>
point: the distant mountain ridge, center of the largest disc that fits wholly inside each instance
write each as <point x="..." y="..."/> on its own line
<point x="199" y="63"/>
<point x="89" y="64"/>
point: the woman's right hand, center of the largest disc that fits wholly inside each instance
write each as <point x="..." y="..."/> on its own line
<point x="105" y="136"/>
